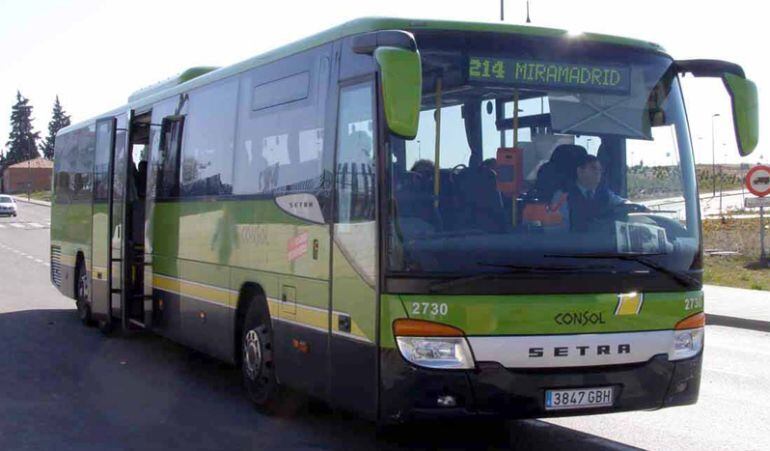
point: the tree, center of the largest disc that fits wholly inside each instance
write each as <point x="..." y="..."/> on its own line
<point x="59" y="120"/>
<point x="22" y="141"/>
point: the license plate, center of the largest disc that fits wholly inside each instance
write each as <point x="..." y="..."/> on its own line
<point x="578" y="398"/>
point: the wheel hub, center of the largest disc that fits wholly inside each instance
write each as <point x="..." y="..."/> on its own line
<point x="252" y="354"/>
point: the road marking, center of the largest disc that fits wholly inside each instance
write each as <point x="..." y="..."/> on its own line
<point x="17" y="225"/>
<point x="35" y="224"/>
<point x="2" y="226"/>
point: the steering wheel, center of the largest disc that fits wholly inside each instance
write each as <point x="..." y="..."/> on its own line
<point x="626" y="208"/>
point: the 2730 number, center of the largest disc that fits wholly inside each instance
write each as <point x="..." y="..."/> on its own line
<point x="430" y="308"/>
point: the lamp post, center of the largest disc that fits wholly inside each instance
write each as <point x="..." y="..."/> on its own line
<point x="713" y="157"/>
<point x="29" y="178"/>
<point x="721" y="177"/>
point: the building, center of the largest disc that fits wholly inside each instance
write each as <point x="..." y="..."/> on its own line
<point x="38" y="172"/>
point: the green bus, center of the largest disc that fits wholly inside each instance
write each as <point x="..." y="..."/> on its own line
<point x="407" y="219"/>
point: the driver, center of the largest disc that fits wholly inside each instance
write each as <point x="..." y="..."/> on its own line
<point x="588" y="199"/>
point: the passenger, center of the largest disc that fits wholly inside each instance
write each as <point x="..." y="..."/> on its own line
<point x="490" y="163"/>
<point x="423" y="167"/>
<point x="587" y="200"/>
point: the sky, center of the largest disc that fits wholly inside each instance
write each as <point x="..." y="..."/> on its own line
<point x="93" y="54"/>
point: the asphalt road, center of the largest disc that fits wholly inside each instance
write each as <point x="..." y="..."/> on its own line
<point x="65" y="386"/>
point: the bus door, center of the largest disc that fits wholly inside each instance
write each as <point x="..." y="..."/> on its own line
<point x="100" y="256"/>
<point x="354" y="258"/>
<point x="123" y="273"/>
<point x="134" y="174"/>
<point x="115" y="226"/>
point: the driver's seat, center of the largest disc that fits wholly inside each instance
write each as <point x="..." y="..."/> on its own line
<point x="481" y="206"/>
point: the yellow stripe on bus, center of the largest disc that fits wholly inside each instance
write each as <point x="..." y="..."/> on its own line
<point x="303" y="315"/>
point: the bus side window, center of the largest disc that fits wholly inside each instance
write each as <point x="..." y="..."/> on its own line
<point x="355" y="155"/>
<point x="170" y="146"/>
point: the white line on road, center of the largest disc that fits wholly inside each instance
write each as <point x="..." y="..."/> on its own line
<point x="35" y="224"/>
<point x="17" y="225"/>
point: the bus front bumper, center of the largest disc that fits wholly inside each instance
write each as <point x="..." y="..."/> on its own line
<point x="410" y="393"/>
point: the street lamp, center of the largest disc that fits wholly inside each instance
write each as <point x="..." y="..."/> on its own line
<point x="713" y="156"/>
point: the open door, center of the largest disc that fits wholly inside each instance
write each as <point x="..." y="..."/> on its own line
<point x="100" y="225"/>
<point x="129" y="244"/>
<point x="118" y="217"/>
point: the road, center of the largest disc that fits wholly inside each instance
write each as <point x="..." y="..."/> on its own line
<point x="64" y="386"/>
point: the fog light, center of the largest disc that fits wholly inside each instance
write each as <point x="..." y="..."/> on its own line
<point x="446" y="401"/>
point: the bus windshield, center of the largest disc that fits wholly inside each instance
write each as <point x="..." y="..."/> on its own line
<point x="540" y="155"/>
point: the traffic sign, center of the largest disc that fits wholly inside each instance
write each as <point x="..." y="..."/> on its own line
<point x="758" y="180"/>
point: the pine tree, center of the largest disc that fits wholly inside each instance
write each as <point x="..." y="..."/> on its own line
<point x="22" y="141"/>
<point x="59" y="120"/>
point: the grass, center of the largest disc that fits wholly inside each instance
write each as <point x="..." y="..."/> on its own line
<point x="742" y="270"/>
<point x="39" y="195"/>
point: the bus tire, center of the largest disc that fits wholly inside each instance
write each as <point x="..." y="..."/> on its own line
<point x="257" y="364"/>
<point x="82" y="302"/>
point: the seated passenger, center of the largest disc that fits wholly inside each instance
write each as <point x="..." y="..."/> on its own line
<point x="425" y="169"/>
<point x="490" y="163"/>
<point x="587" y="200"/>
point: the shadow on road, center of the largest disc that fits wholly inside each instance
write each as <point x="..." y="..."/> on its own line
<point x="740" y="323"/>
<point x="64" y="386"/>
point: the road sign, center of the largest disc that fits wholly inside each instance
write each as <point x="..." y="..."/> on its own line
<point x="758" y="180"/>
<point x="756" y="202"/>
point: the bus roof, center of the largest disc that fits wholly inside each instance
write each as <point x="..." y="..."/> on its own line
<point x="183" y="82"/>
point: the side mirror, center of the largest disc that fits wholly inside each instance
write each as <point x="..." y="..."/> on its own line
<point x="743" y="96"/>
<point x="401" y="81"/>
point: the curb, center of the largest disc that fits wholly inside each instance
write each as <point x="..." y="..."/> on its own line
<point x="31" y="201"/>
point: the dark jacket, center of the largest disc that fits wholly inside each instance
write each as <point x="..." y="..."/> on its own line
<point x="583" y="212"/>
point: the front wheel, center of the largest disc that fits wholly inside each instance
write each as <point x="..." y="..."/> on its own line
<point x="257" y="365"/>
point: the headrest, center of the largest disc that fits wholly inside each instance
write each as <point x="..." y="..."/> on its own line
<point x="566" y="156"/>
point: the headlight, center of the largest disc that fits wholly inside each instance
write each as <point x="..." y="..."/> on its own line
<point x="436" y="352"/>
<point x="687" y="343"/>
<point x="688" y="337"/>
<point x="432" y="345"/>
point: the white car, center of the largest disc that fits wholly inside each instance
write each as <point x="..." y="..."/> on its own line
<point x="7" y="206"/>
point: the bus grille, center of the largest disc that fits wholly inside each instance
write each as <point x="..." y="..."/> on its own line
<point x="56" y="265"/>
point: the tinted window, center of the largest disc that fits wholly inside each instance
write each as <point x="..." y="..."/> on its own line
<point x="167" y="184"/>
<point x="207" y="150"/>
<point x="84" y="162"/>
<point x="104" y="131"/>
<point x="285" y="90"/>
<point x="65" y="165"/>
<point x="355" y="155"/>
<point x="279" y="149"/>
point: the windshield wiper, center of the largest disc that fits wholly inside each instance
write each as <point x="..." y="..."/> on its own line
<point x="683" y="279"/>
<point x="512" y="269"/>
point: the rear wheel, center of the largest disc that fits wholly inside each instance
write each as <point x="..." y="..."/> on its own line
<point x="257" y="364"/>
<point x="82" y="300"/>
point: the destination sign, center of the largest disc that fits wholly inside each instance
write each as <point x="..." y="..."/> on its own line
<point x="614" y="79"/>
